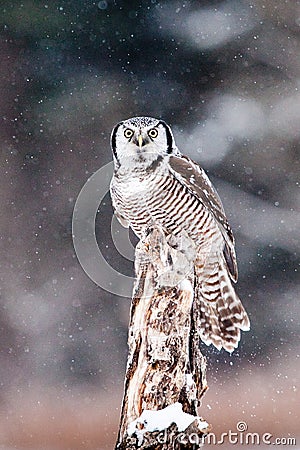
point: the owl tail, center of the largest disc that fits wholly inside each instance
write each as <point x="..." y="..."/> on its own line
<point x="219" y="310"/>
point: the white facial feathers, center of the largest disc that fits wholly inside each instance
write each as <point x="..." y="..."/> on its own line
<point x="141" y="140"/>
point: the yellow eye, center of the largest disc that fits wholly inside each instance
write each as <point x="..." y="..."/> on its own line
<point x="128" y="133"/>
<point x="153" y="133"/>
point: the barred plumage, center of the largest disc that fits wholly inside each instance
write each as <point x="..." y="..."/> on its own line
<point x="154" y="184"/>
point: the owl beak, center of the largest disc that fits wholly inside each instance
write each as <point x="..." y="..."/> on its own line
<point x="140" y="140"/>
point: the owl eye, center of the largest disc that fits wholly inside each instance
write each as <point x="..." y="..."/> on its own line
<point x="128" y="133"/>
<point x="153" y="133"/>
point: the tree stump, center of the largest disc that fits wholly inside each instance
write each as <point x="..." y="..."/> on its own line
<point x="166" y="372"/>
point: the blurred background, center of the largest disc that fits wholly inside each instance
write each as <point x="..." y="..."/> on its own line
<point x="226" y="76"/>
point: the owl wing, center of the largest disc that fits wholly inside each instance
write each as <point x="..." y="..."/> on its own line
<point x="195" y="179"/>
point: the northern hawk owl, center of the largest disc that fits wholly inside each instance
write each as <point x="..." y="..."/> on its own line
<point x="154" y="183"/>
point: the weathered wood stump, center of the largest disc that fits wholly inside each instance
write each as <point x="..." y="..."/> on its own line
<point x="165" y="376"/>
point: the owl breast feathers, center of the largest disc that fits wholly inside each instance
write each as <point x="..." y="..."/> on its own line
<point x="153" y="184"/>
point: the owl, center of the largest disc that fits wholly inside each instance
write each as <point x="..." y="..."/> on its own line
<point x="154" y="184"/>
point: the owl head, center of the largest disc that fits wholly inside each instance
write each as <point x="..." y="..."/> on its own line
<point x="141" y="140"/>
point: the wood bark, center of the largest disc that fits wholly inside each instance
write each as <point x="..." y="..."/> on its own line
<point x="165" y="365"/>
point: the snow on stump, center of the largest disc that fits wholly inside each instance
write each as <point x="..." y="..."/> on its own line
<point x="166" y="372"/>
